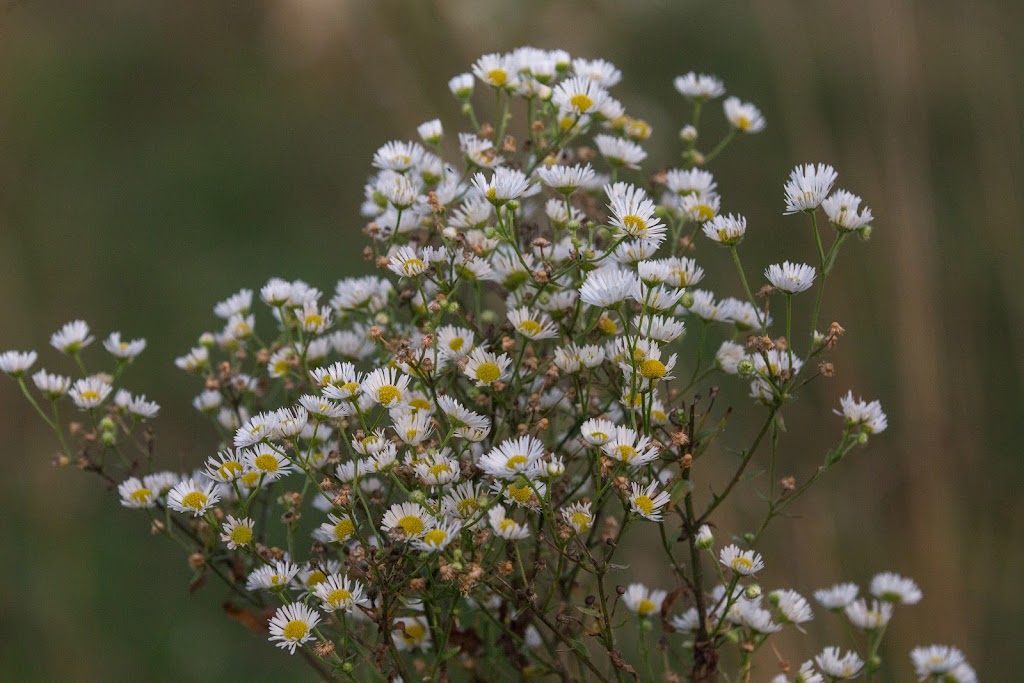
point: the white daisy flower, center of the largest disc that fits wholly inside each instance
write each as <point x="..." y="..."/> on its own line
<point x="607" y="287"/>
<point x="512" y="457"/>
<point x="194" y="360"/>
<point x="579" y="95"/>
<point x="631" y="448"/>
<point x="190" y="497"/>
<point x="526" y="495"/>
<point x="495" y="70"/>
<point x="486" y="367"/>
<point x="579" y="516"/>
<point x="397" y="156"/>
<point x="506" y="527"/>
<point x="468" y="425"/>
<point x="598" y="431"/>
<point x="742" y="562"/>
<point x="125" y="350"/>
<point x="869" y="617"/>
<point x="504" y="185"/>
<point x="226" y="466"/>
<point x="859" y="413"/>
<point x="89" y="392"/>
<point x="790" y="277"/>
<point x="238" y="303"/>
<point x="532" y="325"/>
<point x="793" y="607"/>
<point x="406" y="262"/>
<point x="633" y="212"/>
<point x="745" y="316"/>
<point x="72" y="337"/>
<point x="936" y="661"/>
<point x="726" y="230"/>
<point x="461" y="86"/>
<point x="642" y="601"/>
<point x="439" y="536"/>
<point x="237" y="532"/>
<point x="412" y="427"/>
<point x="292" y="625"/>
<point x="335" y="530"/>
<point x="15" y="363"/>
<point x="53" y="386"/>
<point x="270" y="464"/>
<point x="462" y="502"/>
<point x="729" y="355"/>
<point x="138" y="407"/>
<point x="807" y="674"/>
<point x="430" y="131"/>
<point x="694" y="86"/>
<point x="411" y="633"/>
<point x="839" y="666"/>
<point x="135" y="494"/>
<point x="894" y="588"/>
<point x="842" y="208"/>
<point x="385" y="386"/>
<point x="808" y="186"/>
<point x="743" y="116"/>
<point x="837" y="596"/>
<point x="339" y="593"/>
<point x="646" y="502"/>
<point x="438" y="469"/>
<point x="566" y="179"/>
<point x="602" y="72"/>
<point x="407" y="521"/>
<point x="620" y="151"/>
<point x="759" y="620"/>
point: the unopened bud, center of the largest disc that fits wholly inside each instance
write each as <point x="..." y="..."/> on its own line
<point x="705" y="539"/>
<point x="688" y="133"/>
<point x="206" y="339"/>
<point x="686" y="300"/>
<point x="109" y="439"/>
<point x="752" y="592"/>
<point x="745" y="368"/>
<point x="107" y="425"/>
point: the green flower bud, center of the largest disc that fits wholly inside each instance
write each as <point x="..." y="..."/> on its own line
<point x="107" y="425"/>
<point x="752" y="592"/>
<point x="686" y="300"/>
<point x="745" y="368"/>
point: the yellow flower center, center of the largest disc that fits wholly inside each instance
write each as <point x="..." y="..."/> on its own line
<point x="316" y="576"/>
<point x="295" y="629"/>
<point x="195" y="500"/>
<point x="142" y="495"/>
<point x="742" y="564"/>
<point x="634" y="224"/>
<point x="653" y="369"/>
<point x="339" y="597"/>
<point x="281" y="367"/>
<point x="314" y="320"/>
<point x="456" y="343"/>
<point x="530" y="327"/>
<point x="566" y="122"/>
<point x="488" y="372"/>
<point x="644" y="504"/>
<point x="598" y="436"/>
<point x="626" y="452"/>
<point x="420" y="404"/>
<point x="645" y="607"/>
<point x="250" y="479"/>
<point x="350" y="387"/>
<point x="414" y="632"/>
<point x="439" y="469"/>
<point x="90" y="395"/>
<point x="241" y="535"/>
<point x="705" y="212"/>
<point x="581" y="520"/>
<point x="435" y="537"/>
<point x="411" y="525"/>
<point x="412" y="266"/>
<point x="742" y="122"/>
<point x="581" y="102"/>
<point x="520" y="494"/>
<point x="467" y="506"/>
<point x="492" y="193"/>
<point x="266" y="463"/>
<point x="497" y="76"/>
<point x="344" y="528"/>
<point x="607" y="325"/>
<point x="515" y="461"/>
<point x="506" y="524"/>
<point x="229" y="469"/>
<point x="388" y="394"/>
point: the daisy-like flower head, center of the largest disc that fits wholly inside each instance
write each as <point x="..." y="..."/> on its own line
<point x="793" y="607"/>
<point x="292" y="625"/>
<point x="726" y="230"/>
<point x="869" y="417"/>
<point x="135" y="494"/>
<point x="566" y="179"/>
<point x="579" y="95"/>
<point x="894" y="588"/>
<point x="438" y="469"/>
<point x="468" y="425"/>
<point x="642" y="601"/>
<point x="729" y="355"/>
<point x="505" y="184"/>
<point x="486" y="367"/>
<point x="238" y="303"/>
<point x="226" y="466"/>
<point x="90" y="392"/>
<point x="461" y="86"/>
<point x="124" y="350"/>
<point x="620" y="151"/>
<point x="705" y="539"/>
<point x="194" y="360"/>
<point x="838" y="596"/>
<point x="837" y="665"/>
<point x="808" y="186"/>
<point x="335" y="530"/>
<point x="842" y="208"/>
<point x="807" y="674"/>
<point x="743" y="116"/>
<point x="758" y="620"/>
<point x="237" y="532"/>
<point x="15" y="363"/>
<point x="53" y="386"/>
<point x="686" y="182"/>
<point x="270" y="464"/>
<point x="397" y="156"/>
<point x="647" y="501"/>
<point x="506" y="527"/>
<point x="385" y="386"/>
<point x="601" y="71"/>
<point x="607" y="287"/>
<point x="72" y="337"/>
<point x="694" y="86"/>
<point x="406" y="262"/>
<point x="936" y="661"/>
<point x="579" y="516"/>
<point x="190" y="497"/>
<point x="407" y="521"/>
<point x="314" y="319"/>
<point x="742" y="562"/>
<point x="629" y="447"/>
<point x="790" y="277"/>
<point x="412" y="426"/>
<point x="291" y="422"/>
<point x="411" y="633"/>
<point x="633" y="212"/>
<point x="438" y="537"/>
<point x="462" y="502"/>
<point x="430" y="131"/>
<point x="869" y="617"/>
<point x="495" y="70"/>
<point x="339" y="593"/>
<point x="532" y="325"/>
<point x="512" y="457"/>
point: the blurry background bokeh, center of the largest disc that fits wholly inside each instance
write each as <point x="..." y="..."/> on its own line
<point x="157" y="156"/>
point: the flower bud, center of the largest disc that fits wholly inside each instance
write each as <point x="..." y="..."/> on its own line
<point x="862" y="438"/>
<point x="107" y="425"/>
<point x="381" y="318"/>
<point x="109" y="439"/>
<point x="745" y="368"/>
<point x="705" y="539"/>
<point x="864" y="232"/>
<point x="207" y="339"/>
<point x="752" y="592"/>
<point x="417" y="496"/>
<point x="686" y="300"/>
<point x="688" y="134"/>
<point x="450" y="233"/>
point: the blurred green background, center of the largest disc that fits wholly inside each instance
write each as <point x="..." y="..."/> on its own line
<point x="157" y="156"/>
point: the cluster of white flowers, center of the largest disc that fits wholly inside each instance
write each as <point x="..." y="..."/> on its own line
<point x="435" y="466"/>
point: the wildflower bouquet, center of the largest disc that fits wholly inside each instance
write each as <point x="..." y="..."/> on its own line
<point x="430" y="474"/>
